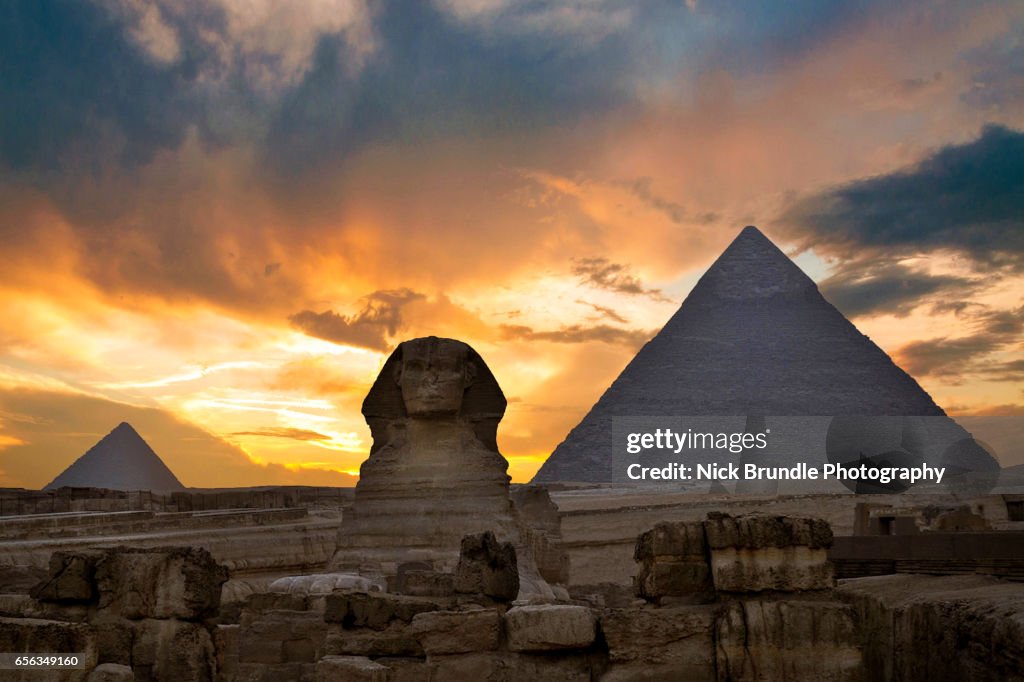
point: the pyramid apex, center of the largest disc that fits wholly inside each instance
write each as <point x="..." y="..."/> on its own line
<point x="753" y="267"/>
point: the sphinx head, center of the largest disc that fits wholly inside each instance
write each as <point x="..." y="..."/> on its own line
<point x="438" y="379"/>
<point x="433" y="375"/>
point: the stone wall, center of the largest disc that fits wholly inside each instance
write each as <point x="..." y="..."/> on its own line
<point x="727" y="598"/>
<point x="20" y="501"/>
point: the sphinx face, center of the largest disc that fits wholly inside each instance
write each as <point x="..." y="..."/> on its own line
<point x="433" y="377"/>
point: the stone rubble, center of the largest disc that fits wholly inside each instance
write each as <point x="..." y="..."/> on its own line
<point x="147" y="614"/>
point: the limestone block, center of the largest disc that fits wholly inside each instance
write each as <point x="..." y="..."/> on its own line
<point x="798" y="640"/>
<point x="404" y="669"/>
<point x="500" y="666"/>
<point x="373" y="609"/>
<point x="672" y="541"/>
<point x="323" y="583"/>
<point x="394" y="640"/>
<point x="756" y="553"/>
<point x="71" y="579"/>
<point x="549" y="627"/>
<point x="115" y="638"/>
<point x="673" y="563"/>
<point x="756" y="531"/>
<point x="111" y="672"/>
<point x="666" y="643"/>
<point x="261" y="602"/>
<point x="280" y="672"/>
<point x="281" y="637"/>
<point x="39" y="636"/>
<point x="457" y="632"/>
<point x="487" y="567"/>
<point x="172" y="582"/>
<point x="351" y="669"/>
<point x="172" y="650"/>
<point x="788" y="569"/>
<point x="425" y="583"/>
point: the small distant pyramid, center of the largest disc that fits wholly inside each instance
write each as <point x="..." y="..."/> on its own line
<point x="122" y="460"/>
<point x="754" y="337"/>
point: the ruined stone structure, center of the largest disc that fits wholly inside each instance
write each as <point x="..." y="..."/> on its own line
<point x="725" y="598"/>
<point x="754" y="337"/>
<point x="122" y="460"/>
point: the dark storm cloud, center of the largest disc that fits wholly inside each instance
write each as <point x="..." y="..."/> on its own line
<point x="968" y="198"/>
<point x="993" y="330"/>
<point x="433" y="76"/>
<point x="604" y="274"/>
<point x="889" y="288"/>
<point x="380" y="318"/>
<point x="77" y="85"/>
<point x="632" y="338"/>
<point x="76" y="91"/>
<point x="997" y="78"/>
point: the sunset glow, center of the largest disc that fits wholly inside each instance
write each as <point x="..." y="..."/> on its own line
<point x="221" y="235"/>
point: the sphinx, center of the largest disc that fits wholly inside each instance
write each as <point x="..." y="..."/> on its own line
<point x="434" y="473"/>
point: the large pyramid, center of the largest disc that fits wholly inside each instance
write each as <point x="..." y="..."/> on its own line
<point x="754" y="337"/>
<point x="122" y="460"/>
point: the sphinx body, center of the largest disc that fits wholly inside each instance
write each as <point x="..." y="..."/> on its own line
<point x="434" y="473"/>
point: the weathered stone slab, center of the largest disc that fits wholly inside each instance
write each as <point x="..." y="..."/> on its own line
<point x="757" y="553"/>
<point x="350" y="669"/>
<point x="457" y="632"/>
<point x="281" y="637"/>
<point x="37" y="636"/>
<point x="71" y="579"/>
<point x="672" y="541"/>
<point x="487" y="567"/>
<point x="323" y="583"/>
<point x="790" y="569"/>
<point x="758" y="531"/>
<point x="172" y="650"/>
<point x="171" y="582"/>
<point x="394" y="640"/>
<point x="404" y="669"/>
<point x="373" y="609"/>
<point x="796" y="640"/>
<point x="111" y="672"/>
<point x="663" y="643"/>
<point x="550" y="627"/>
<point x="425" y="583"/>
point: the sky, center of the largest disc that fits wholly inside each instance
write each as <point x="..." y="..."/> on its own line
<point x="218" y="218"/>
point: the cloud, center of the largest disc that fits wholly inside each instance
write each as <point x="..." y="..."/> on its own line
<point x="603" y="312"/>
<point x="285" y="432"/>
<point x="997" y="75"/>
<point x="994" y="330"/>
<point x="1005" y="371"/>
<point x="967" y="198"/>
<point x="604" y="274"/>
<point x="380" y="318"/>
<point x="890" y="288"/>
<point x="76" y="94"/>
<point x="632" y="338"/>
